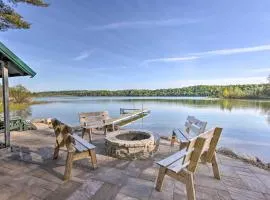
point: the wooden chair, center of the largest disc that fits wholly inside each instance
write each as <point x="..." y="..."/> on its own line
<point x="77" y="148"/>
<point x="193" y="127"/>
<point x="182" y="165"/>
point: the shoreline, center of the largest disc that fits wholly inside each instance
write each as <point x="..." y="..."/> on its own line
<point x="136" y="96"/>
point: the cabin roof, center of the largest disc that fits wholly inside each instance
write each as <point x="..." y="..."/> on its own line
<point x="16" y="67"/>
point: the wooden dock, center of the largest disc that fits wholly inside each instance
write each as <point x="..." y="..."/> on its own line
<point x="125" y="115"/>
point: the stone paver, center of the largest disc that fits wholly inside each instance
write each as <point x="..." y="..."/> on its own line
<point x="30" y="173"/>
<point x="138" y="188"/>
<point x="242" y="194"/>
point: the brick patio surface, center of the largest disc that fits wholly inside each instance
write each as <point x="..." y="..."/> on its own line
<point x="30" y="173"/>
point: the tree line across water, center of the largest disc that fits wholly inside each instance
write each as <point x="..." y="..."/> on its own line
<point x="231" y="91"/>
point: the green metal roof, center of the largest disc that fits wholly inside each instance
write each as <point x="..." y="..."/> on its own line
<point x="16" y="62"/>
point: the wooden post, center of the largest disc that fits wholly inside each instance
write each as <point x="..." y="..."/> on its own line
<point x="6" y="103"/>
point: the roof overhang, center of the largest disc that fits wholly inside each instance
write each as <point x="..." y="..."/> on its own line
<point x="16" y="66"/>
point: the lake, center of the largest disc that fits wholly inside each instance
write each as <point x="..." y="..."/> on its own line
<point x="245" y="123"/>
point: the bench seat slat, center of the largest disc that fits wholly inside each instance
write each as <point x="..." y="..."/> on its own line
<point x="173" y="158"/>
<point x="178" y="166"/>
<point x="83" y="142"/>
<point x="79" y="147"/>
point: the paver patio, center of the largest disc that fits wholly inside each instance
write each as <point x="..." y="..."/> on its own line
<point x="30" y="173"/>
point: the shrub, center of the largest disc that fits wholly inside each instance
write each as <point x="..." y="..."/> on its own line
<point x="20" y="94"/>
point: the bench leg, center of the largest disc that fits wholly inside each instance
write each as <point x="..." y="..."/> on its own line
<point x="160" y="178"/>
<point x="90" y="131"/>
<point x="190" y="187"/>
<point x="56" y="152"/>
<point x="92" y="153"/>
<point x="172" y="140"/>
<point x="215" y="167"/>
<point x="69" y="163"/>
<point x="105" y="130"/>
<point x="83" y="132"/>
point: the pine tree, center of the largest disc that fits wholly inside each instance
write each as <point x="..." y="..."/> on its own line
<point x="10" y="19"/>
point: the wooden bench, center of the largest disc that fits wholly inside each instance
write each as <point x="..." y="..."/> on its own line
<point x="77" y="148"/>
<point x="82" y="149"/>
<point x="193" y="127"/>
<point x="92" y="120"/>
<point x="182" y="165"/>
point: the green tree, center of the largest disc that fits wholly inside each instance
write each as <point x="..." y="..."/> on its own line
<point x="20" y="94"/>
<point x="266" y="89"/>
<point x="10" y="19"/>
<point x="225" y="93"/>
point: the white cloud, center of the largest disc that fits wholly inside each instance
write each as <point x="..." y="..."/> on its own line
<point x="235" y="50"/>
<point x="193" y="56"/>
<point x="172" y="59"/>
<point x="82" y="56"/>
<point x="221" y="81"/>
<point x="143" y="24"/>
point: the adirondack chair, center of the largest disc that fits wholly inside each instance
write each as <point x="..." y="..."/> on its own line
<point x="77" y="148"/>
<point x="193" y="127"/>
<point x="92" y="120"/>
<point x="182" y="165"/>
<point x="16" y="123"/>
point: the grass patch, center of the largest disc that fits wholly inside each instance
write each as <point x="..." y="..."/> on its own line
<point x="15" y="106"/>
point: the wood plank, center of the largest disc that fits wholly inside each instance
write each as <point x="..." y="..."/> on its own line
<point x="79" y="147"/>
<point x="178" y="166"/>
<point x="124" y="117"/>
<point x="81" y="155"/>
<point x="161" y="175"/>
<point x="173" y="158"/>
<point x="83" y="142"/>
<point x="96" y="124"/>
<point x="180" y="135"/>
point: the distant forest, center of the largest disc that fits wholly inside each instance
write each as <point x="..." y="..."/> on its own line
<point x="231" y="91"/>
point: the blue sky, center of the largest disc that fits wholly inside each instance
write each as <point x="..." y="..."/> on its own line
<point x="151" y="44"/>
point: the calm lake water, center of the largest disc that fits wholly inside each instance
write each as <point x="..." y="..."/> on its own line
<point x="245" y="123"/>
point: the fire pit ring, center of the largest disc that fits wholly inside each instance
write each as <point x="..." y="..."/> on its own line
<point x="131" y="144"/>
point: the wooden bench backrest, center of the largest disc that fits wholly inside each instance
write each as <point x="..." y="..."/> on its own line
<point x="195" y="125"/>
<point x="91" y="117"/>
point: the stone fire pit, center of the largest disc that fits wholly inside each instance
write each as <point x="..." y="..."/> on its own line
<point x="131" y="144"/>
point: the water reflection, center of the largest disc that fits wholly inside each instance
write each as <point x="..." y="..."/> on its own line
<point x="263" y="106"/>
<point x="222" y="104"/>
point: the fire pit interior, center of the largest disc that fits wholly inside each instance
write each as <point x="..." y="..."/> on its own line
<point x="131" y="144"/>
<point x="133" y="136"/>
